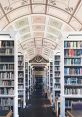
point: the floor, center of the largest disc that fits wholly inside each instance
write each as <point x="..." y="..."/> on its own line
<point x="38" y="105"/>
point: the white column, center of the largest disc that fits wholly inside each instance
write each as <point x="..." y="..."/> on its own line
<point x="62" y="106"/>
<point x="16" y="79"/>
<point x="62" y="99"/>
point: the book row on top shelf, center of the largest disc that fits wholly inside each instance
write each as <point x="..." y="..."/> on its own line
<point x="73" y="44"/>
<point x="4" y="44"/>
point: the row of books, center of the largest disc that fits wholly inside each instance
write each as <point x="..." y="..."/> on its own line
<point x="20" y="87"/>
<point x="56" y="62"/>
<point x="8" y="51"/>
<point x="6" y="83"/>
<point x="20" y="92"/>
<point x="72" y="52"/>
<point x="73" y="91"/>
<point x="51" y="67"/>
<point x="6" y="44"/>
<point x="57" y="74"/>
<point x="6" y="102"/>
<point x="73" y="81"/>
<point x="6" y="66"/>
<point x="7" y="91"/>
<point x="20" y="68"/>
<point x="20" y="80"/>
<point x="57" y="86"/>
<point x="73" y="44"/>
<point x="6" y="75"/>
<point x="57" y="68"/>
<point x="68" y="103"/>
<point x="57" y="80"/>
<point x="20" y="63"/>
<point x="72" y="71"/>
<point x="57" y="58"/>
<point x="51" y="63"/>
<point x="57" y="94"/>
<point x="20" y="58"/>
<point x="5" y="108"/>
<point x="20" y="75"/>
<point x="72" y="61"/>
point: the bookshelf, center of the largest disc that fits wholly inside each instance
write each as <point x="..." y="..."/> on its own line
<point x="48" y="79"/>
<point x="8" y="74"/>
<point x="29" y="80"/>
<point x="57" y="82"/>
<point x="51" y="80"/>
<point x="72" y="72"/>
<point x="21" y="82"/>
<point x="57" y="76"/>
<point x="26" y="81"/>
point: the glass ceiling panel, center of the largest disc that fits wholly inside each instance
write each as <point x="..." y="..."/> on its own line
<point x="54" y="23"/>
<point x="26" y="36"/>
<point x="21" y="23"/>
<point x="52" y="37"/>
<point x="24" y="30"/>
<point x="38" y="27"/>
<point x="38" y="34"/>
<point x="53" y="31"/>
<point x="38" y="19"/>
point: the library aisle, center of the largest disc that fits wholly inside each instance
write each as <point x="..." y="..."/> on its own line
<point x="40" y="58"/>
<point x="38" y="105"/>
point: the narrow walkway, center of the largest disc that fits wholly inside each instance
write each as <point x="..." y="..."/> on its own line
<point x="38" y="106"/>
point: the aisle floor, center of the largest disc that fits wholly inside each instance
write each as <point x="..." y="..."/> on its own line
<point x="38" y="106"/>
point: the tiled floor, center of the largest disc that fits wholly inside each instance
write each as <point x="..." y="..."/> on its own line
<point x="38" y="106"/>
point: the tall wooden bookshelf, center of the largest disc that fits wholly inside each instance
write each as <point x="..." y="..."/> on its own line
<point x="71" y="72"/>
<point x="8" y="76"/>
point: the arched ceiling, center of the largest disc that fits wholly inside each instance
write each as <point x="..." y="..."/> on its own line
<point x="39" y="23"/>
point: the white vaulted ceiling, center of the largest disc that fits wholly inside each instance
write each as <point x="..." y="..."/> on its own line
<point x="39" y="23"/>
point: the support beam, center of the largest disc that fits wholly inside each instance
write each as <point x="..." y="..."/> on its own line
<point x="4" y="13"/>
<point x="74" y="11"/>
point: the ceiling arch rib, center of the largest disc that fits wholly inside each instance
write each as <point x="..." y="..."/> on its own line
<point x="39" y="22"/>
